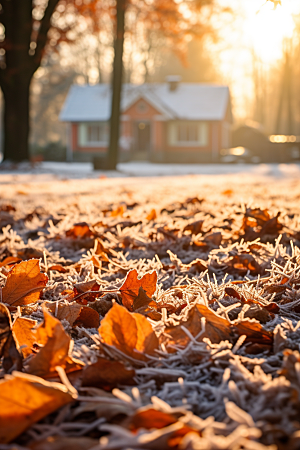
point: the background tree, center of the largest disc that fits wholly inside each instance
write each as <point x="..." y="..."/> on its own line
<point x="25" y="27"/>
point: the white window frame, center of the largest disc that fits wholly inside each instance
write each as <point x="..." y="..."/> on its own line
<point x="202" y="131"/>
<point x="83" y="135"/>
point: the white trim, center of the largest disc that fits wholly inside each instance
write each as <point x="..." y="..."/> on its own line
<point x="202" y="140"/>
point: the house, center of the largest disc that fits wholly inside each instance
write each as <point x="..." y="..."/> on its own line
<point x="160" y="122"/>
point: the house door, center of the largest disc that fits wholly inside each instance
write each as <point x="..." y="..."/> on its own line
<point x="143" y="140"/>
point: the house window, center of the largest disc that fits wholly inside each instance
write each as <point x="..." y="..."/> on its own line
<point x="188" y="134"/>
<point x="94" y="134"/>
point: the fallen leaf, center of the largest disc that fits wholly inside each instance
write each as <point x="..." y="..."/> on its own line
<point x="100" y="250"/>
<point x="107" y="374"/>
<point x="88" y="318"/>
<point x="24" y="283"/>
<point x="23" y="331"/>
<point x="194" y="227"/>
<point x="55" y="350"/>
<point x="216" y="328"/>
<point x="10" y="260"/>
<point x="67" y="311"/>
<point x="131" y="286"/>
<point x="84" y="289"/>
<point x="119" y="211"/>
<point x="8" y="347"/>
<point x="26" y="399"/>
<point x="150" y="418"/>
<point x="80" y="231"/>
<point x="152" y="215"/>
<point x="58" y="268"/>
<point x="129" y="332"/>
<point x="141" y="300"/>
<point x="64" y="443"/>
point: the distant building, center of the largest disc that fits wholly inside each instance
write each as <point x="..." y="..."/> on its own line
<point x="161" y="122"/>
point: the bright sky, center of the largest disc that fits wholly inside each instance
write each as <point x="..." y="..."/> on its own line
<point x="257" y="28"/>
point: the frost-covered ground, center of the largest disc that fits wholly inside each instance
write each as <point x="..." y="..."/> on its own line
<point x="225" y="391"/>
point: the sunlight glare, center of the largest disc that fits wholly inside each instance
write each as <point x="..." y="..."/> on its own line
<point x="267" y="27"/>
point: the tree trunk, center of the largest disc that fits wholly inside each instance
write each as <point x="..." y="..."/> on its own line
<point x="112" y="158"/>
<point x="16" y="120"/>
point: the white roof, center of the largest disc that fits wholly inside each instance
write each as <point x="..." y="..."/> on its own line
<point x="191" y="101"/>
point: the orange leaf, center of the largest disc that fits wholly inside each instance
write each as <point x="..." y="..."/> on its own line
<point x="130" y="333"/>
<point x="118" y="212"/>
<point x="55" y="350"/>
<point x="150" y="418"/>
<point x="80" y="230"/>
<point x="23" y="331"/>
<point x="24" y="283"/>
<point x="130" y="287"/>
<point x="9" y="261"/>
<point x="58" y="268"/>
<point x="216" y="328"/>
<point x="107" y="374"/>
<point x="152" y="215"/>
<point x="25" y="400"/>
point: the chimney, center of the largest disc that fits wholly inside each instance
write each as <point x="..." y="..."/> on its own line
<point x="173" y="82"/>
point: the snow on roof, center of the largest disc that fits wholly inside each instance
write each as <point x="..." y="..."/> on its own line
<point x="191" y="101"/>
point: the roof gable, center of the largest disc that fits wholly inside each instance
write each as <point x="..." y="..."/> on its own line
<point x="190" y="101"/>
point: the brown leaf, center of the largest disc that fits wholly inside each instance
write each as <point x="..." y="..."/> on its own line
<point x="152" y="215"/>
<point x="107" y="374"/>
<point x="8" y="347"/>
<point x="80" y="231"/>
<point x="131" y="286"/>
<point x="81" y="288"/>
<point x="194" y="227"/>
<point x="24" y="283"/>
<point x="67" y="311"/>
<point x="88" y="318"/>
<point x="55" y="350"/>
<point x="141" y="300"/>
<point x="254" y="331"/>
<point x="100" y="250"/>
<point x="196" y="266"/>
<point x="242" y="263"/>
<point x="129" y="332"/>
<point x="23" y="331"/>
<point x="25" y="400"/>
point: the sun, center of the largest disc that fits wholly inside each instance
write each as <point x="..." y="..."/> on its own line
<point x="266" y="26"/>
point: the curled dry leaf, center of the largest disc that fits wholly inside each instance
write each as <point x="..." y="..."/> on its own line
<point x="67" y="311"/>
<point x="55" y="350"/>
<point x="24" y="283"/>
<point x="25" y="400"/>
<point x="131" y="286"/>
<point x="107" y="374"/>
<point x="23" y="331"/>
<point x="8" y="347"/>
<point x="58" y="267"/>
<point x="129" y="332"/>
